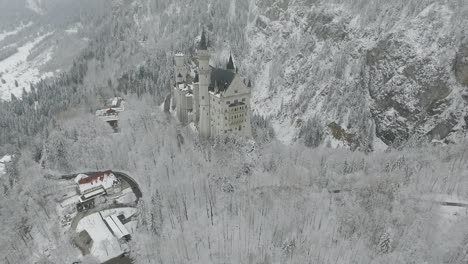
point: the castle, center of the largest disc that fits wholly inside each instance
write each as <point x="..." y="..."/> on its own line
<point x="217" y="101"/>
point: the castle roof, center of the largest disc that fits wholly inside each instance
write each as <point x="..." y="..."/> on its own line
<point x="203" y="42"/>
<point x="220" y="80"/>
<point x="236" y="104"/>
<point x="230" y="65"/>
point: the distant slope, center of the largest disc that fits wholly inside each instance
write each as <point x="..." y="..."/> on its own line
<point x="40" y="44"/>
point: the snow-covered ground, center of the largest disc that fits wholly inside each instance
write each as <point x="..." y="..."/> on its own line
<point x="447" y="211"/>
<point x="2" y="169"/>
<point x="449" y="215"/>
<point x="127" y="196"/>
<point x="35" y="5"/>
<point x="5" y="34"/>
<point x="17" y="72"/>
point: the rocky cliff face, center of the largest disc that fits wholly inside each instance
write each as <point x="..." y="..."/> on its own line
<point x="460" y="66"/>
<point x="389" y="74"/>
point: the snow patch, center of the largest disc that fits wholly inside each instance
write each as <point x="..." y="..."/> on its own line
<point x="74" y="29"/>
<point x="5" y="159"/>
<point x="232" y="10"/>
<point x="379" y="145"/>
<point x="5" y="34"/>
<point x="35" y="5"/>
<point x="17" y="72"/>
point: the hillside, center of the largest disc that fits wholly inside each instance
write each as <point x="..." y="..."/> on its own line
<point x="329" y="77"/>
<point x="382" y="72"/>
<point x="41" y="38"/>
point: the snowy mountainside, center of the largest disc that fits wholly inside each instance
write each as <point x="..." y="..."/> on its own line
<point x="372" y="72"/>
<point x="35" y="5"/>
<point x="39" y="45"/>
<point x="370" y="77"/>
<point x="359" y="74"/>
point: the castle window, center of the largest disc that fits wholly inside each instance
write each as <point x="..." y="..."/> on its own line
<point x="203" y="97"/>
<point x="228" y="102"/>
<point x="235" y="91"/>
<point x="243" y="99"/>
<point x="236" y="101"/>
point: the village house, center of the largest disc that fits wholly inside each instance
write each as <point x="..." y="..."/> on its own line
<point x="95" y="185"/>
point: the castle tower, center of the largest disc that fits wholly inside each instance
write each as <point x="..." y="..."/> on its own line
<point x="196" y="96"/>
<point x="203" y="82"/>
<point x="180" y="70"/>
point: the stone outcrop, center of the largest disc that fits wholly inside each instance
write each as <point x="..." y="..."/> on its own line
<point x="460" y="65"/>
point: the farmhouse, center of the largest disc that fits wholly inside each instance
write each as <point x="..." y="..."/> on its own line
<point x="97" y="184"/>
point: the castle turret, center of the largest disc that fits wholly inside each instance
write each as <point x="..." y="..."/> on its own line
<point x="230" y="64"/>
<point x="196" y="95"/>
<point x="203" y="83"/>
<point x="180" y="70"/>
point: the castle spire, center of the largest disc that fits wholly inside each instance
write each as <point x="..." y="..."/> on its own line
<point x="230" y="65"/>
<point x="203" y="45"/>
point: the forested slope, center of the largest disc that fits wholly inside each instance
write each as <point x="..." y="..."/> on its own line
<point x="343" y="72"/>
<point x="384" y="72"/>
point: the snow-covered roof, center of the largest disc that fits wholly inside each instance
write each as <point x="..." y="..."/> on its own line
<point x="116" y="101"/>
<point x="105" y="245"/>
<point x="116" y="226"/>
<point x="79" y="177"/>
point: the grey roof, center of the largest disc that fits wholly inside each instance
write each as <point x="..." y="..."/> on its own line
<point x="203" y="44"/>
<point x="230" y="64"/>
<point x="221" y="79"/>
<point x="236" y="104"/>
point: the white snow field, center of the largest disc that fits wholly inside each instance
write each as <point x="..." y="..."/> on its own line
<point x="17" y="72"/>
